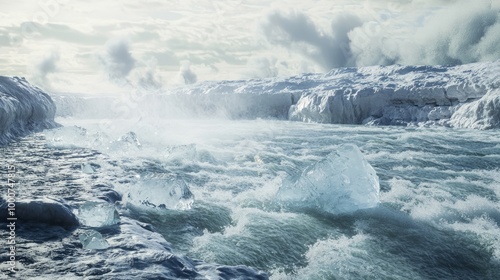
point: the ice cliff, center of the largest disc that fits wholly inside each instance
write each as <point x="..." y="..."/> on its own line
<point x="23" y="108"/>
<point x="464" y="96"/>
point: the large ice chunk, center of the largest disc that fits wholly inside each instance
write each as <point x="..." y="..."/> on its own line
<point x="161" y="191"/>
<point x="343" y="182"/>
<point x="98" y="214"/>
<point x="93" y="240"/>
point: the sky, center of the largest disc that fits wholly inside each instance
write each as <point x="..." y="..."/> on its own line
<point x="100" y="46"/>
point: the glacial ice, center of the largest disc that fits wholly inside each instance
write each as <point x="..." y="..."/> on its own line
<point x="93" y="240"/>
<point x="161" y="191"/>
<point x="23" y="108"/>
<point x="376" y="95"/>
<point x="98" y="214"/>
<point x="341" y="183"/>
<point x="87" y="168"/>
<point x="480" y="114"/>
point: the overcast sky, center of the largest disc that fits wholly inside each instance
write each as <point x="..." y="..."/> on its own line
<point x="100" y="46"/>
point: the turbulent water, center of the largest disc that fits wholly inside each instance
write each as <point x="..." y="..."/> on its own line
<point x="438" y="217"/>
<point x="176" y="185"/>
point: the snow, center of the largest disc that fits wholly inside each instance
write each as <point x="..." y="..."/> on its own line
<point x="23" y="108"/>
<point x="97" y="214"/>
<point x="376" y="95"/>
<point x="162" y="191"/>
<point x="341" y="183"/>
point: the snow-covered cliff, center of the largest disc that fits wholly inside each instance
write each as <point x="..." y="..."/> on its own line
<point x="459" y="96"/>
<point x="23" y="108"/>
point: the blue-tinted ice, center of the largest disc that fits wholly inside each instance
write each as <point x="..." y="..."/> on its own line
<point x="93" y="240"/>
<point x="98" y="214"/>
<point x="161" y="191"/>
<point x="343" y="182"/>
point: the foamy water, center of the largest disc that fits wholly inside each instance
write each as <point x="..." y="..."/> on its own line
<point x="439" y="215"/>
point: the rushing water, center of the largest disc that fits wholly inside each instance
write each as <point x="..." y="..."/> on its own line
<point x="439" y="216"/>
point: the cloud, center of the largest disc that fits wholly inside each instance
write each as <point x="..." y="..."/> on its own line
<point x="117" y="60"/>
<point x="186" y="74"/>
<point x="444" y="32"/>
<point x="262" y="67"/>
<point x="462" y="33"/>
<point x="126" y="71"/>
<point x="296" y="31"/>
<point x="45" y="66"/>
<point x="148" y="78"/>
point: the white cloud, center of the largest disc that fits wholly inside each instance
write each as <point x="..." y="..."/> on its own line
<point x="148" y="78"/>
<point x="239" y="38"/>
<point x="46" y="65"/>
<point x="297" y="31"/>
<point x="456" y="32"/>
<point x="117" y="59"/>
<point x="186" y="74"/>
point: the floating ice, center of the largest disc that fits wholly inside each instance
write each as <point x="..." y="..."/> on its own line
<point x="87" y="168"/>
<point x="343" y="182"/>
<point x="93" y="240"/>
<point x="162" y="191"/>
<point x="130" y="138"/>
<point x="98" y="214"/>
<point x="181" y="153"/>
<point x="128" y="141"/>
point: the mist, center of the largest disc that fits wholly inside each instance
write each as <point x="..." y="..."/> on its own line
<point x="45" y="66"/>
<point x="452" y="34"/>
<point x="117" y="59"/>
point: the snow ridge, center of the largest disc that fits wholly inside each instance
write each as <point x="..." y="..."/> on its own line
<point x="24" y="108"/>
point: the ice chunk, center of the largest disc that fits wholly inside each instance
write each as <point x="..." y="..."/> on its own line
<point x="98" y="214"/>
<point x="87" y="168"/>
<point x="162" y="191"/>
<point x="127" y="142"/>
<point x="130" y="138"/>
<point x="93" y="240"/>
<point x="343" y="182"/>
<point x="181" y="153"/>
